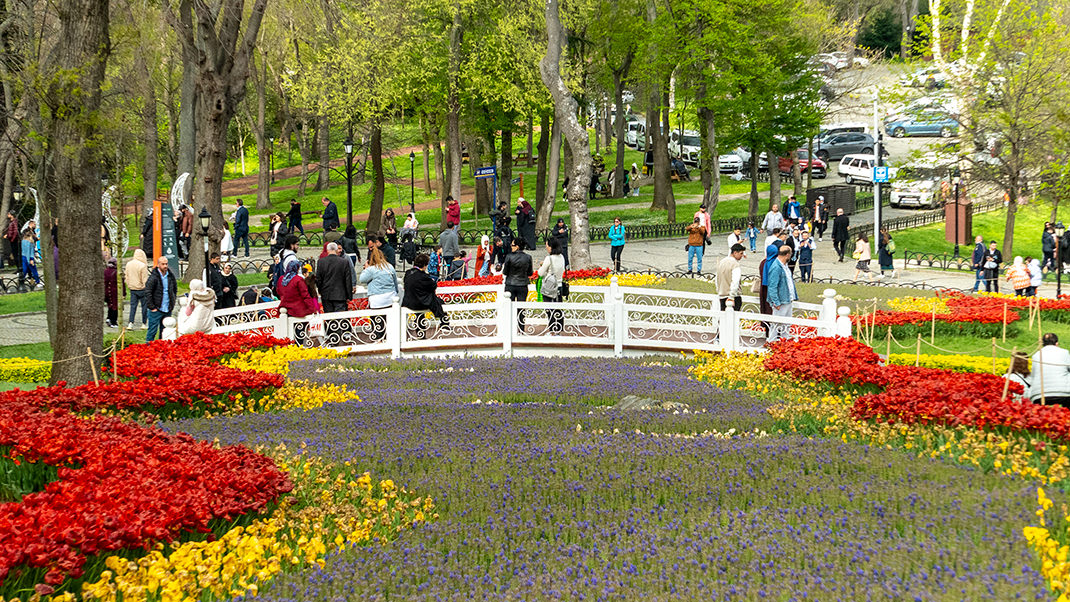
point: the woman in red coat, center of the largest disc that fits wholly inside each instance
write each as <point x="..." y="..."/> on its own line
<point x="293" y="292"/>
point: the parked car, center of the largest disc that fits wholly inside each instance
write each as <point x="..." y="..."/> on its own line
<point x="636" y="138"/>
<point x="858" y="169"/>
<point x="928" y="123"/>
<point x="819" y="167"/>
<point x="933" y="103"/>
<point x="918" y="186"/>
<point x="687" y="146"/>
<point x="838" y="60"/>
<point x="835" y="147"/>
<point x="840" y="128"/>
<point x="731" y="163"/>
<point x="929" y="78"/>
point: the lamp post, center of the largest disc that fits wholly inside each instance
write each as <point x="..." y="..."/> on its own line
<point x="206" y="223"/>
<point x="16" y="194"/>
<point x="957" y="215"/>
<point x="412" y="182"/>
<point x="1059" y="230"/>
<point x="271" y="157"/>
<point x="348" y="146"/>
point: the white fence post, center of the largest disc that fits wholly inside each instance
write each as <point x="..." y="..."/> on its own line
<point x="829" y="311"/>
<point x="728" y="327"/>
<point x="505" y="322"/>
<point x="613" y="292"/>
<point x="282" y="325"/>
<point x="843" y="322"/>
<point x="620" y="319"/>
<point x="395" y="328"/>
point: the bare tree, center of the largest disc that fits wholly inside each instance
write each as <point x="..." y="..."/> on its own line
<point x="565" y="107"/>
<point x="213" y="33"/>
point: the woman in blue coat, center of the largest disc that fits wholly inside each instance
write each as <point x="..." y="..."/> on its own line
<point x="616" y="243"/>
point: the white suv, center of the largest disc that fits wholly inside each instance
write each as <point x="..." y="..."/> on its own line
<point x="855" y="169"/>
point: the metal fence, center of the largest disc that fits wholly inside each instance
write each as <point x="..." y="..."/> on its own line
<point x="920" y="219"/>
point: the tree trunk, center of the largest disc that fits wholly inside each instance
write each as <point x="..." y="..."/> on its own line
<point x="663" y="197"/>
<point x="263" y="152"/>
<point x="711" y="162"/>
<point x="453" y="102"/>
<point x="150" y="137"/>
<point x="549" y="198"/>
<point x="531" y="139"/>
<point x="752" y="209"/>
<point x="171" y="158"/>
<point x="323" y="137"/>
<point x="475" y="161"/>
<point x="505" y="178"/>
<point x="425" y="135"/>
<point x="440" y="177"/>
<point x="540" y="171"/>
<point x="449" y="186"/>
<point x="187" y="103"/>
<point x="565" y="110"/>
<point x="618" y="96"/>
<point x="304" y="148"/>
<point x="74" y="101"/>
<point x="796" y="177"/>
<point x="375" y="213"/>
<point x="774" y="179"/>
<point x="1008" y="227"/>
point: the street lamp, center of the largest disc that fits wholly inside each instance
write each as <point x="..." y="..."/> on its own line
<point x="16" y="193"/>
<point x="206" y="223"/>
<point x="957" y="215"/>
<point x="1059" y="230"/>
<point x="271" y="157"/>
<point x="348" y="146"/>
<point x="412" y="182"/>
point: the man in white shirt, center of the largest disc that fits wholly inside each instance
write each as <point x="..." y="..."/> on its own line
<point x="1050" y="378"/>
<point x="729" y="278"/>
<point x="735" y="238"/>
<point x="773" y="220"/>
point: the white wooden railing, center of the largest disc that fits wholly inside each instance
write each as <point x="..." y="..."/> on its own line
<point x="612" y="319"/>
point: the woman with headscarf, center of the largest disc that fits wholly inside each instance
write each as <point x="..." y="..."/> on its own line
<point x="483" y="256"/>
<point x="111" y="291"/>
<point x="229" y="298"/>
<point x="412" y="226"/>
<point x="389" y="227"/>
<point x="525" y="223"/>
<point x="293" y="292"/>
<point x="560" y="233"/>
<point x="1018" y="276"/>
<point x="1036" y="276"/>
<point x="196" y="316"/>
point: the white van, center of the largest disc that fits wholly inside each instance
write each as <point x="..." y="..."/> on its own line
<point x="921" y="186"/>
<point x="636" y="131"/>
<point x="857" y="169"/>
<point x="687" y="146"/>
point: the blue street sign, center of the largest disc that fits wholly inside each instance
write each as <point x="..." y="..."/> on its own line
<point x="516" y="181"/>
<point x="486" y="172"/>
<point x="880" y="174"/>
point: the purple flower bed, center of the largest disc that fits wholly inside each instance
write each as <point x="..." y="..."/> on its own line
<point x="536" y="504"/>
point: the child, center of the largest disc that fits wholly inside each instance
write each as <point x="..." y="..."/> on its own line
<point x="310" y="282"/>
<point x="434" y="259"/>
<point x="752" y="236"/>
<point x="29" y="264"/>
<point x="459" y="267"/>
<point x="266" y="296"/>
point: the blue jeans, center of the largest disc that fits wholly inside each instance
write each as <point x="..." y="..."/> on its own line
<point x="141" y="297"/>
<point x="155" y="328"/>
<point x="30" y="269"/>
<point x="753" y="244"/>
<point x="980" y="280"/>
<point x="238" y="238"/>
<point x="694" y="251"/>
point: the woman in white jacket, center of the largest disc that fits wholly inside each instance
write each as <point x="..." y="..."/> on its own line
<point x="196" y="316"/>
<point x="552" y="272"/>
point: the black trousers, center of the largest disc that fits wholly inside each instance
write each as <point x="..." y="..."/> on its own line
<point x="819" y="228"/>
<point x="518" y="293"/>
<point x="614" y="253"/>
<point x="840" y="246"/>
<point x="737" y="303"/>
<point x="330" y="306"/>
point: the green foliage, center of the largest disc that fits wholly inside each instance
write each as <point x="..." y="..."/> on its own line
<point x="882" y="32"/>
<point x="19" y="477"/>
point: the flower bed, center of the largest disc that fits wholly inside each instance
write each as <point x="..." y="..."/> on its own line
<point x="570" y="275"/>
<point x="124" y="487"/>
<point x="24" y="370"/>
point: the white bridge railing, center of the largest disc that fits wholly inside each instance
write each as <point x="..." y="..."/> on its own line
<point x="613" y="319"/>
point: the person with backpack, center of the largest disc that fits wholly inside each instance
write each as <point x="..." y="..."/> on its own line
<point x="552" y="272"/>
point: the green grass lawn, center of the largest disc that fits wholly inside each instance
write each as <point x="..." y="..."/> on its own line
<point x="1028" y="226"/>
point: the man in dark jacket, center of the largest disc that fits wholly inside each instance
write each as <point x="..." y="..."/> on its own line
<point x="161" y="289"/>
<point x="977" y="259"/>
<point x="517" y="272"/>
<point x="990" y="262"/>
<point x="241" y="227"/>
<point x="334" y="274"/>
<point x="420" y="295"/>
<point x="294" y="217"/>
<point x="1047" y="241"/>
<point x="840" y="233"/>
<point x="330" y="215"/>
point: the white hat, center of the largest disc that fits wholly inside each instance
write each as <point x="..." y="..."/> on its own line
<point x="820" y="197"/>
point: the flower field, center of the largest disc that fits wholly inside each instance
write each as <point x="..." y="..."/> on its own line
<point x="814" y="472"/>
